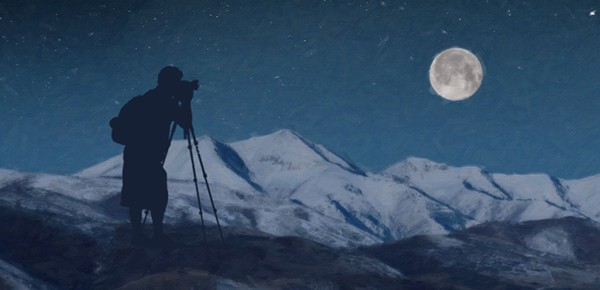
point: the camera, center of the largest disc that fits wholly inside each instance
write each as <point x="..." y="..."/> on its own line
<point x="185" y="90"/>
<point x="189" y="85"/>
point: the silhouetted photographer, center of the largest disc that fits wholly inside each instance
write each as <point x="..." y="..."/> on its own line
<point x="145" y="125"/>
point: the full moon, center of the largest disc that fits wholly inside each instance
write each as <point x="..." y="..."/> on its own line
<point x="455" y="74"/>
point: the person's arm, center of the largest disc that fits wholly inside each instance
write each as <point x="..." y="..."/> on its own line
<point x="183" y="115"/>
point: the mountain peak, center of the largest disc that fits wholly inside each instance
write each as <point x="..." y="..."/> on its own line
<point x="285" y="132"/>
<point x="415" y="164"/>
<point x="284" y="136"/>
<point x="291" y="151"/>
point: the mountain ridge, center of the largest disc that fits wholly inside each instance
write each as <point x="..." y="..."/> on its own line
<point x="283" y="173"/>
<point x="279" y="199"/>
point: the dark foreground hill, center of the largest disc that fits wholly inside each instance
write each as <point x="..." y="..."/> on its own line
<point x="63" y="257"/>
<point x="547" y="254"/>
<point x="47" y="251"/>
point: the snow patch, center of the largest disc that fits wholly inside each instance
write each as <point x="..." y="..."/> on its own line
<point x="553" y="241"/>
<point x="7" y="176"/>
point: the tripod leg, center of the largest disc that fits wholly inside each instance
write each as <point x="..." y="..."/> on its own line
<point x="206" y="181"/>
<point x="145" y="216"/>
<point x="196" y="185"/>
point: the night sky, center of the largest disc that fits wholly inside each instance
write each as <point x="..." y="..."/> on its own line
<point x="351" y="75"/>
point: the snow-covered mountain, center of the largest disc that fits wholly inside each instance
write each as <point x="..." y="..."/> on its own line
<point x="484" y="196"/>
<point x="283" y="184"/>
<point x="269" y="187"/>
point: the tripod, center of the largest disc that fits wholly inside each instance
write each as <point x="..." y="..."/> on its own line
<point x="212" y="202"/>
<point x="189" y="134"/>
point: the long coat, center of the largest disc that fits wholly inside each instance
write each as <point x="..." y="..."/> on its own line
<point x="144" y="178"/>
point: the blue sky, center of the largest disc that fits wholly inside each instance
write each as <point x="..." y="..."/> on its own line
<point x="351" y="75"/>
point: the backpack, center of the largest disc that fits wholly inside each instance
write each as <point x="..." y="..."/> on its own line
<point x="122" y="125"/>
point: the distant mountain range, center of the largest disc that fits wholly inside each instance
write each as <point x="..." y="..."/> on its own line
<point x="284" y="185"/>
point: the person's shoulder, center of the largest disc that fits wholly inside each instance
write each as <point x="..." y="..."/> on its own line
<point x="150" y="93"/>
<point x="135" y="101"/>
<point x="148" y="98"/>
<point x="156" y="96"/>
<point x="135" y="104"/>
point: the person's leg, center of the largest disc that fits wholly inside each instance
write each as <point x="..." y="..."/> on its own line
<point x="157" y="222"/>
<point x="159" y="202"/>
<point x="135" y="216"/>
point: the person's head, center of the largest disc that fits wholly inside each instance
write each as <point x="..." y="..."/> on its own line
<point x="169" y="77"/>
